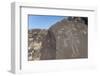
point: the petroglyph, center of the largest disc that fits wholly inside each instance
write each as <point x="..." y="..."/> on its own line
<point x="66" y="39"/>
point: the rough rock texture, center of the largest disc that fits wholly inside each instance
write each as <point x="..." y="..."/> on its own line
<point x="71" y="39"/>
<point x="35" y="38"/>
<point x="66" y="39"/>
<point x="48" y="50"/>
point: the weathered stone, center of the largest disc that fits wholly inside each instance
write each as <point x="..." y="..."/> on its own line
<point x="71" y="39"/>
<point x="35" y="39"/>
<point x="48" y="50"/>
<point x="66" y="39"/>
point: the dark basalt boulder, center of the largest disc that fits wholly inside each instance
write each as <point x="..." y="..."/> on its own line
<point x="48" y="50"/>
<point x="67" y="39"/>
<point x="71" y="39"/>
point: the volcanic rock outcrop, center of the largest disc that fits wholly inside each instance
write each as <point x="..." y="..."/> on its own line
<point x="48" y="50"/>
<point x="67" y="39"/>
<point x="71" y="39"/>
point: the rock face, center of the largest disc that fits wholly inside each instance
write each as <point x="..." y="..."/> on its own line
<point x="48" y="50"/>
<point x="71" y="39"/>
<point x="66" y="39"/>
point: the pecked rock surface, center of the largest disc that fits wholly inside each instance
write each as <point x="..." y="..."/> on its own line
<point x="48" y="50"/>
<point x="71" y="39"/>
<point x="67" y="39"/>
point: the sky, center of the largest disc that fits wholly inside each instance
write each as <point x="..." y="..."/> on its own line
<point x="42" y="22"/>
